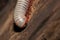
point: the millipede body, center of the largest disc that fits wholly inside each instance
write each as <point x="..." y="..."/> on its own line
<point x="20" y="12"/>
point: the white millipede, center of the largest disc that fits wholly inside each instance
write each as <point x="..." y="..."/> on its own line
<point x="20" y="11"/>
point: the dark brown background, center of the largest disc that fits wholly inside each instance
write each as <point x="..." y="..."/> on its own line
<point x="44" y="25"/>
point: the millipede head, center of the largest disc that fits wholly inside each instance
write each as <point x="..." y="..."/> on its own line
<point x="21" y="16"/>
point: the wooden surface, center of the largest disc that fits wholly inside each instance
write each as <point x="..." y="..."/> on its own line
<point x="44" y="25"/>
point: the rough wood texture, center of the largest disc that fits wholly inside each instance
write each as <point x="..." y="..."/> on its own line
<point x="44" y="25"/>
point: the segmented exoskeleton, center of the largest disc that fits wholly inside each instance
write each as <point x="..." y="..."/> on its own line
<point x="20" y="11"/>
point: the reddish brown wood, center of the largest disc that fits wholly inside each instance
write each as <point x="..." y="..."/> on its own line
<point x="44" y="25"/>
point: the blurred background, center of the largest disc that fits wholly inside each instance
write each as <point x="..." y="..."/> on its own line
<point x="44" y="24"/>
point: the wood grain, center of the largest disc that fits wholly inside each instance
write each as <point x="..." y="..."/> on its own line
<point x="44" y="25"/>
